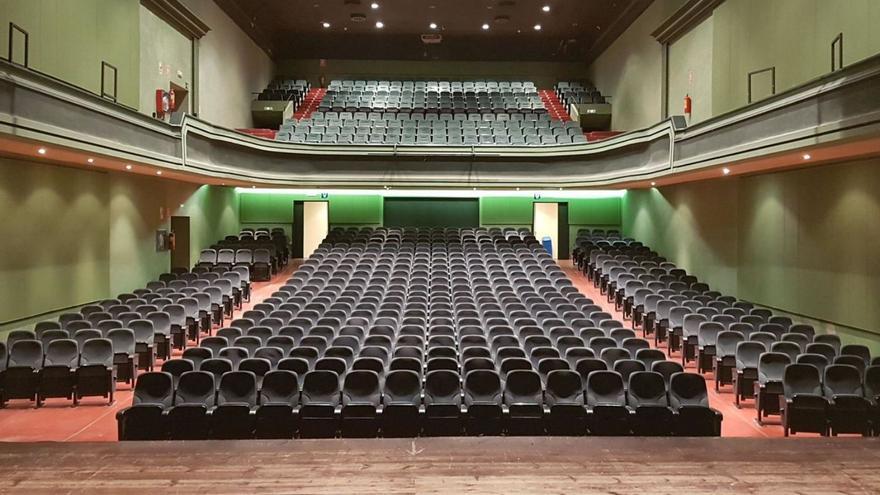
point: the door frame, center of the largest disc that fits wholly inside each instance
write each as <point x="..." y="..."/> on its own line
<point x="178" y="242"/>
<point x="562" y="228"/>
<point x="297" y="233"/>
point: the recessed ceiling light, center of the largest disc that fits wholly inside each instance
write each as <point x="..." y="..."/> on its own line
<point x="128" y="167"/>
<point x="41" y="151"/>
<point x="537" y="27"/>
<point x="546" y="8"/>
<point x="325" y="24"/>
<point x="181" y="205"/>
<point x="374" y="5"/>
<point x="222" y="183"/>
<point x="485" y="27"/>
<point x="433" y="25"/>
<point x="158" y="172"/>
<point x="807" y="156"/>
<point x="653" y="184"/>
<point x="91" y="160"/>
<point x="253" y="187"/>
<point x="725" y="171"/>
<point x="380" y="24"/>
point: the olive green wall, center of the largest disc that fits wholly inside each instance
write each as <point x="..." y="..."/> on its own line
<point x="802" y="241"/>
<point x="166" y="56"/>
<point x="630" y="70"/>
<point x="74" y="236"/>
<point x="792" y="35"/>
<point x="69" y="39"/>
<point x="712" y="61"/>
<point x="276" y="210"/>
<point x="544" y="74"/>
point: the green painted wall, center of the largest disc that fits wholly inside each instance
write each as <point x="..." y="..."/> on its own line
<point x="802" y="241"/>
<point x="82" y="235"/>
<point x="166" y="56"/>
<point x="69" y="39"/>
<point x="276" y="210"/>
<point x="690" y="72"/>
<point x="432" y="212"/>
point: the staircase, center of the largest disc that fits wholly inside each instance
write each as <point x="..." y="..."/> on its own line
<point x="310" y="103"/>
<point x="554" y="107"/>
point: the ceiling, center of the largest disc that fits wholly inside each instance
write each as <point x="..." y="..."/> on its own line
<point x="572" y="30"/>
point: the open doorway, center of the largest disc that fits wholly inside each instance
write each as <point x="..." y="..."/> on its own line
<point x="180" y="249"/>
<point x="311" y="224"/>
<point x="551" y="220"/>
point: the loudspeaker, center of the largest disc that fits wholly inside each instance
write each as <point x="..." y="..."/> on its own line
<point x="679" y="123"/>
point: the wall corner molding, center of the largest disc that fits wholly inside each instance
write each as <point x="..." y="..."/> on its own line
<point x="179" y="17"/>
<point x="689" y="16"/>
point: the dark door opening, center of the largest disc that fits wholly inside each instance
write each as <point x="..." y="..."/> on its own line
<point x="180" y="251"/>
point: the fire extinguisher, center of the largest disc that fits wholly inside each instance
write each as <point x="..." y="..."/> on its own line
<point x="687" y="105"/>
<point x="162" y="103"/>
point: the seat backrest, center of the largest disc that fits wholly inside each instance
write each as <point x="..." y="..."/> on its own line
<point x="195" y="387"/>
<point x="97" y="352"/>
<point x="62" y="352"/>
<point x="361" y="387"/>
<point x="442" y="387"/>
<point x="748" y="353"/>
<point x="217" y="367"/>
<point x="238" y="387"/>
<point x="771" y="366"/>
<point x="26" y="353"/>
<point x="605" y="388"/>
<point x="872" y="382"/>
<point x="402" y="387"/>
<point x="156" y="388"/>
<point x="801" y="379"/>
<point x="320" y="387"/>
<point x="523" y="387"/>
<point x="280" y="387"/>
<point x="843" y="379"/>
<point x="646" y="388"/>
<point x="564" y="387"/>
<point x="482" y="386"/>
<point x="688" y="389"/>
<point x="667" y="369"/>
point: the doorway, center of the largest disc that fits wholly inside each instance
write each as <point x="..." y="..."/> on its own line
<point x="551" y="220"/>
<point x="311" y="224"/>
<point x="180" y="252"/>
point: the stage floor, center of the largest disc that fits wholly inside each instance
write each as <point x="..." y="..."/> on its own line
<point x="449" y="465"/>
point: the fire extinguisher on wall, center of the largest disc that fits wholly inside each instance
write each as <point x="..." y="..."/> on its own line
<point x="687" y="105"/>
<point x="163" y="103"/>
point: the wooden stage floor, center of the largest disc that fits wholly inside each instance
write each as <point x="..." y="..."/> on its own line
<point x="449" y="465"/>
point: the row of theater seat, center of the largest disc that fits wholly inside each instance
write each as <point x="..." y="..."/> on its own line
<point x="487" y="304"/>
<point x="138" y="326"/>
<point x="740" y="344"/>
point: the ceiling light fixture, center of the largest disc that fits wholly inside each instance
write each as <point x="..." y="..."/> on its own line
<point x="41" y="151"/>
<point x="91" y="160"/>
<point x="380" y="24"/>
<point x="325" y="24"/>
<point x="158" y="172"/>
<point x="433" y="25"/>
<point x="725" y="171"/>
<point x="537" y="27"/>
<point x="546" y="8"/>
<point x="807" y="156"/>
<point x="485" y="27"/>
<point x="374" y="5"/>
<point x="128" y="167"/>
<point x="653" y="184"/>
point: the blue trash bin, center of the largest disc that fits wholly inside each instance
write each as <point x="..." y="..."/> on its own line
<point x="548" y="244"/>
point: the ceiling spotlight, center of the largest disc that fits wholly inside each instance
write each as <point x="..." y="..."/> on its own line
<point x="374" y="5"/>
<point x="537" y="27"/>
<point x="380" y="24"/>
<point x="433" y="25"/>
<point x="181" y="205"/>
<point x="546" y="8"/>
<point x="725" y="171"/>
<point x="41" y="151"/>
<point x="253" y="187"/>
<point x="128" y="167"/>
<point x="807" y="156"/>
<point x="222" y="183"/>
<point x="485" y="27"/>
<point x="653" y="184"/>
<point x="158" y="172"/>
<point x="517" y="189"/>
<point x="91" y="160"/>
<point x="325" y="24"/>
